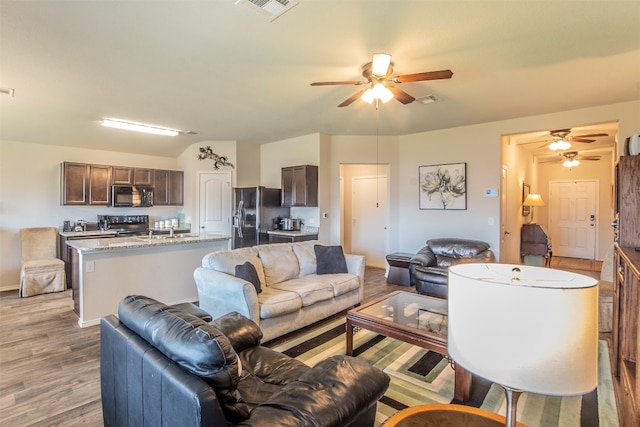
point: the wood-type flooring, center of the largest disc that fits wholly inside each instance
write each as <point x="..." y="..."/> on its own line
<point x="50" y="367"/>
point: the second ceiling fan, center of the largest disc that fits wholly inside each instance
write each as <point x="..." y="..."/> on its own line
<point x="379" y="81"/>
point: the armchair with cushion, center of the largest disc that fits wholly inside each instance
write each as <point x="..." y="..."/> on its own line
<point x="161" y="365"/>
<point x="429" y="268"/>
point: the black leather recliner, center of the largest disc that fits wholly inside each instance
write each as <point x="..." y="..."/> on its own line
<point x="429" y="268"/>
<point x="160" y="365"/>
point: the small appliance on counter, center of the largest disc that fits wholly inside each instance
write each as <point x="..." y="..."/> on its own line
<point x="291" y="224"/>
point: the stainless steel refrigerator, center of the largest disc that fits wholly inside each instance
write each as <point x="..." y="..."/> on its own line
<point x="256" y="210"/>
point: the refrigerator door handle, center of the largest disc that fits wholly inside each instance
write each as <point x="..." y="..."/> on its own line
<point x="238" y="218"/>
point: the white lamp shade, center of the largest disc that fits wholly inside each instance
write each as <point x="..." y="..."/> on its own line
<point x="537" y="334"/>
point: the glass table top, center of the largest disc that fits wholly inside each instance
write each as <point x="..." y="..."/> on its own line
<point x="411" y="310"/>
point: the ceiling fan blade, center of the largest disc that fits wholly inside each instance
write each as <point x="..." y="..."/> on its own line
<point x="352" y="98"/>
<point x="588" y="158"/>
<point x="429" y="75"/>
<point x="592" y="135"/>
<point x="582" y="140"/>
<point x="551" y="160"/>
<point x="350" y="82"/>
<point x="401" y="95"/>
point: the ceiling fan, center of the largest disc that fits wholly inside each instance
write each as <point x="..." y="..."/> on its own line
<point x="379" y="83"/>
<point x="561" y="139"/>
<point x="570" y="159"/>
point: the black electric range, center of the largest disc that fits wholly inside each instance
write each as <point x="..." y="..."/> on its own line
<point x="125" y="225"/>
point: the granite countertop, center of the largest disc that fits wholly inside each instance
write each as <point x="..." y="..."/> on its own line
<point x="292" y="233"/>
<point x="108" y="233"/>
<point x="137" y="242"/>
<point x="88" y="234"/>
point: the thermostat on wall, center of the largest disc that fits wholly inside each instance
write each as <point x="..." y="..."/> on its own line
<point x="490" y="192"/>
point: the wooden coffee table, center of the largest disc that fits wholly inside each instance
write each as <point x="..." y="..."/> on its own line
<point x="438" y="415"/>
<point x="417" y="319"/>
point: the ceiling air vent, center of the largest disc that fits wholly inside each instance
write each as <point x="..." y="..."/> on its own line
<point x="270" y="9"/>
<point x="427" y="99"/>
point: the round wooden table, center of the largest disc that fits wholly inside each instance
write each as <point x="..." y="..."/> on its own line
<point x="445" y="415"/>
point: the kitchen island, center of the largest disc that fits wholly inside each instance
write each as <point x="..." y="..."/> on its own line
<point x="161" y="267"/>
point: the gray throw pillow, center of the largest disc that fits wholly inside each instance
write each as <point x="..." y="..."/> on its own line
<point x="330" y="259"/>
<point x="248" y="272"/>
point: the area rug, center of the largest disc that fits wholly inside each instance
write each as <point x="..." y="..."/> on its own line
<point x="419" y="376"/>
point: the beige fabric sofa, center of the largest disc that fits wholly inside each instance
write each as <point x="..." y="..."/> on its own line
<point x="293" y="295"/>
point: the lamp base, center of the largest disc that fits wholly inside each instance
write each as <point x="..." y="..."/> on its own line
<point x="512" y="402"/>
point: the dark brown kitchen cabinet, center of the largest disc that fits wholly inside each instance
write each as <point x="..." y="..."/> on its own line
<point x="169" y="188"/>
<point x="99" y="185"/>
<point x="142" y="176"/>
<point x="122" y="175"/>
<point x="300" y="186"/>
<point x="75" y="180"/>
<point x="86" y="184"/>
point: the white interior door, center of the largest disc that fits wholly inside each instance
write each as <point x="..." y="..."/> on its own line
<point x="214" y="201"/>
<point x="573" y="218"/>
<point x="370" y="216"/>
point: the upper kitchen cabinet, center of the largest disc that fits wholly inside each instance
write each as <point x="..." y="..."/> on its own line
<point x="85" y="184"/>
<point x="123" y="175"/>
<point x="143" y="176"/>
<point x="169" y="188"/>
<point x="99" y="185"/>
<point x="75" y="180"/>
<point x="300" y="186"/>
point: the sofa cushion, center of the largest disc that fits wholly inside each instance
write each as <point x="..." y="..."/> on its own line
<point x="279" y="262"/>
<point x="226" y="261"/>
<point x="311" y="289"/>
<point x="330" y="259"/>
<point x="341" y="283"/>
<point x="457" y="248"/>
<point x="274" y="302"/>
<point x="306" y="256"/>
<point x="248" y="272"/>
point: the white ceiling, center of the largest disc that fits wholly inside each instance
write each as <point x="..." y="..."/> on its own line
<point x="227" y="73"/>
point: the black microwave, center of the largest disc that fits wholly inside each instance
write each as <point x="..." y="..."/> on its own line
<point x="131" y="196"/>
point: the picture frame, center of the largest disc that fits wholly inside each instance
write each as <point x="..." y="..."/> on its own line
<point x="526" y="189"/>
<point x="443" y="187"/>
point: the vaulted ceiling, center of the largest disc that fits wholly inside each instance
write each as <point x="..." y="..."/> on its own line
<point x="227" y="73"/>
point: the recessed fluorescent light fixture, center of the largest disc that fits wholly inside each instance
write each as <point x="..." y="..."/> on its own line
<point x="139" y="127"/>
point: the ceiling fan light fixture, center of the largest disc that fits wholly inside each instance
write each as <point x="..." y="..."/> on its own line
<point x="139" y="127"/>
<point x="560" y="144"/>
<point x="380" y="66"/>
<point x="378" y="91"/>
<point x="570" y="163"/>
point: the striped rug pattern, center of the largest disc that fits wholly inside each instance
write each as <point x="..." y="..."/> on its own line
<point x="419" y="376"/>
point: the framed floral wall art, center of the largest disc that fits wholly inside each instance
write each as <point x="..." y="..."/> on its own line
<point x="443" y="186"/>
